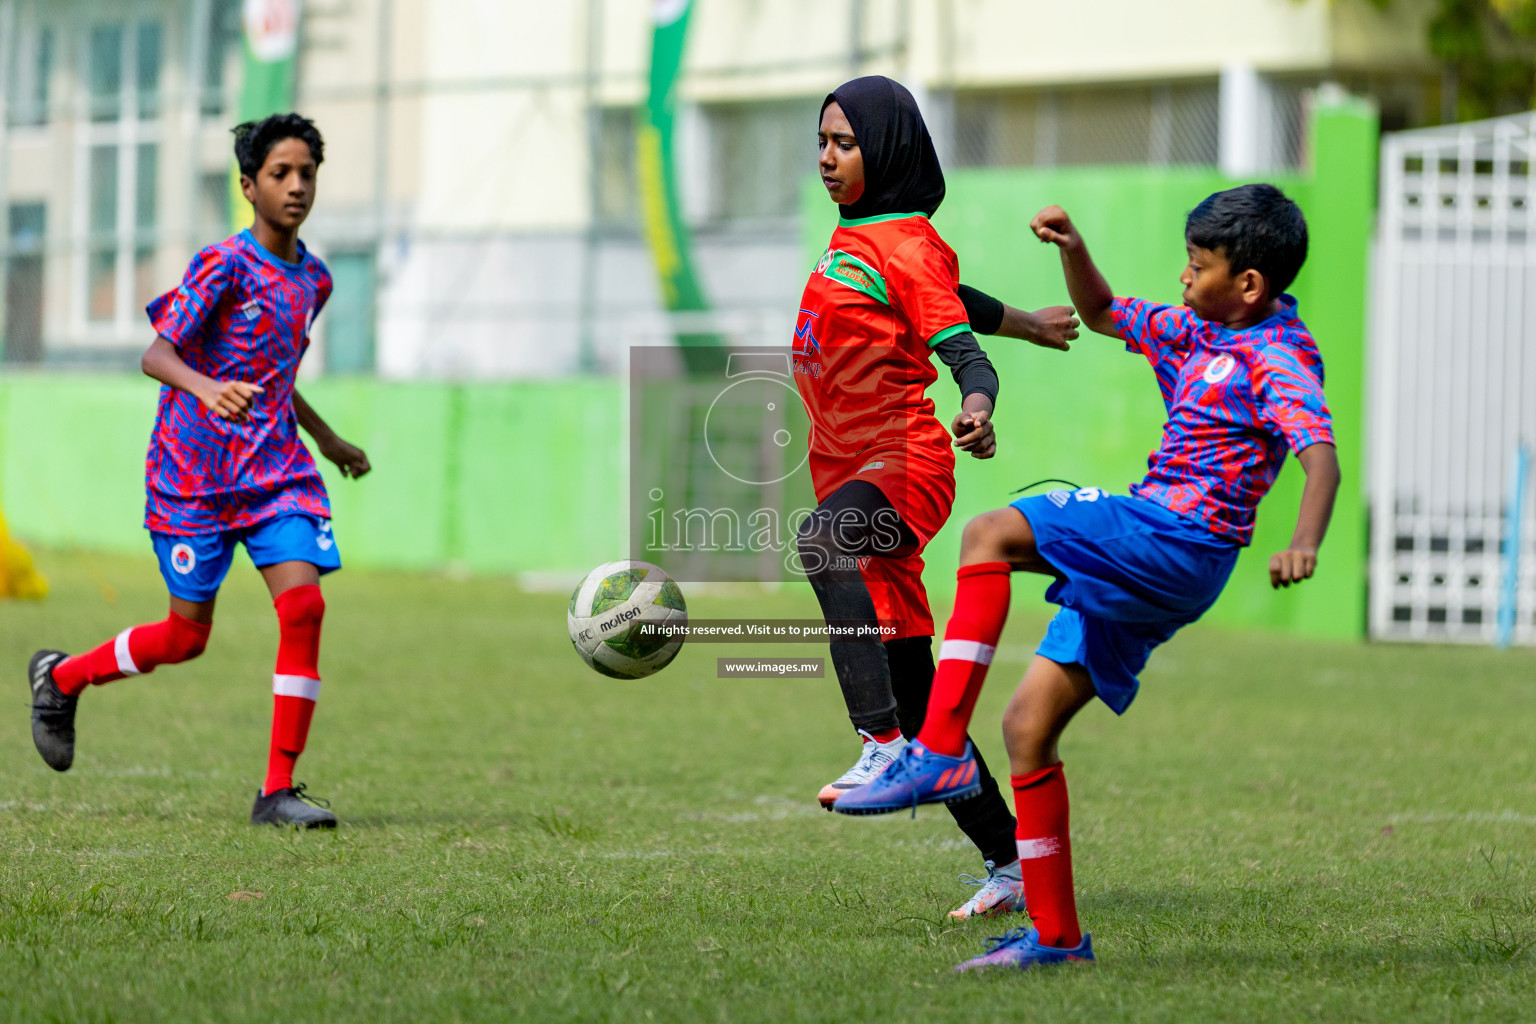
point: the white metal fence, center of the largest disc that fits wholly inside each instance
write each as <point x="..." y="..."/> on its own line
<point x="1454" y="385"/>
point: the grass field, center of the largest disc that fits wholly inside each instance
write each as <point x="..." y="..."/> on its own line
<point x="1277" y="831"/>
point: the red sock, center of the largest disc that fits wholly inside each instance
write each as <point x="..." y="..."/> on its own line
<point x="1045" y="854"/>
<point x="970" y="640"/>
<point x="296" y="683"/>
<point x="134" y="651"/>
<point x="885" y="736"/>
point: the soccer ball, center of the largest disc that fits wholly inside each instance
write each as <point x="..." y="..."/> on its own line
<point x="608" y="609"/>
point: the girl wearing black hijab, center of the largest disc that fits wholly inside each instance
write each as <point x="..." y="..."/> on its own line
<point x="881" y="301"/>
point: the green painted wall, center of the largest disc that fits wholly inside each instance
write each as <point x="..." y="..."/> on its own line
<point x="502" y="478"/>
<point x="1092" y="415"/>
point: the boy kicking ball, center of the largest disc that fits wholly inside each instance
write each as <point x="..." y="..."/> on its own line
<point x="1243" y="384"/>
<point x="226" y="465"/>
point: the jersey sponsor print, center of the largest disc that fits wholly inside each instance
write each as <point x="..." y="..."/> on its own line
<point x="240" y="314"/>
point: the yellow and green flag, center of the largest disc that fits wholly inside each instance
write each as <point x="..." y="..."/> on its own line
<point x="270" y="34"/>
<point x="665" y="229"/>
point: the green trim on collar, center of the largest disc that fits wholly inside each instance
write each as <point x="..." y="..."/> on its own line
<point x="852" y="272"/>
<point x="949" y="332"/>
<point x="881" y="218"/>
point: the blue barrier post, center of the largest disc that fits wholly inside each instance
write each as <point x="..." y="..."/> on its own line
<point x="1509" y="595"/>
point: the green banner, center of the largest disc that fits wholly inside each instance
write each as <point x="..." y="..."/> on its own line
<point x="665" y="230"/>
<point x="270" y="35"/>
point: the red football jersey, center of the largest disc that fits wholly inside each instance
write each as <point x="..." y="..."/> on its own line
<point x="881" y="296"/>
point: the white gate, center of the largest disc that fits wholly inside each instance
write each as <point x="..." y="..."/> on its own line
<point x="1453" y="382"/>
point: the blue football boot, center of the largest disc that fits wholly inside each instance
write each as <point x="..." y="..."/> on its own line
<point x="917" y="776"/>
<point x="1021" y="949"/>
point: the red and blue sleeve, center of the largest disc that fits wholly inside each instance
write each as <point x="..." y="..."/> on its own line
<point x="1164" y="334"/>
<point x="1153" y="329"/>
<point x="179" y="316"/>
<point x="1290" y="394"/>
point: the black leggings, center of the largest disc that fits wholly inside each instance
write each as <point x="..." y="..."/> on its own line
<point x="886" y="685"/>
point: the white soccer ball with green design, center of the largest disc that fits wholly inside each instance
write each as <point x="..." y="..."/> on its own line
<point x="613" y="609"/>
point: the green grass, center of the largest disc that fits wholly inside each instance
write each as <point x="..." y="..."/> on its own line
<point x="1277" y="831"/>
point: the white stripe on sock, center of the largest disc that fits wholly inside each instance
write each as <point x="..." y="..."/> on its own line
<point x="296" y="686"/>
<point x="1034" y="849"/>
<point x="125" y="663"/>
<point x="966" y="650"/>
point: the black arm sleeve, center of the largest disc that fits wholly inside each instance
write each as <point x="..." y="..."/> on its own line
<point x="969" y="365"/>
<point x="983" y="311"/>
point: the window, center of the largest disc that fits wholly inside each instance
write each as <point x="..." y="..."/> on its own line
<point x="617" y="198"/>
<point x="23" y="342"/>
<point x="117" y="57"/>
<point x="32" y="72"/>
<point x="213" y="199"/>
<point x="101" y="283"/>
<point x="120" y="152"/>
<point x="106" y="74"/>
<point x="763" y="153"/>
<point x="223" y="53"/>
<point x="147" y="64"/>
<point x="146" y="181"/>
<point x="1166" y="123"/>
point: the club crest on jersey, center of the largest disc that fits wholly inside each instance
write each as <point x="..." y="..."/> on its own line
<point x="183" y="559"/>
<point x="823" y="263"/>
<point x="1219" y="369"/>
<point x="251" y="310"/>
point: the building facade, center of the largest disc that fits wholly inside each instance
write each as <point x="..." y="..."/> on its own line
<point x="478" y="200"/>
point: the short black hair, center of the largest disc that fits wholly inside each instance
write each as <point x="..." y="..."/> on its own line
<point x="255" y="139"/>
<point x="1257" y="227"/>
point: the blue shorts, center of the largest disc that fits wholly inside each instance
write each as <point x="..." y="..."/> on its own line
<point x="1129" y="574"/>
<point x="194" y="567"/>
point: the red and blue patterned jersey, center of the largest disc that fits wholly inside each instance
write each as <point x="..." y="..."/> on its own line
<point x="241" y="313"/>
<point x="1237" y="401"/>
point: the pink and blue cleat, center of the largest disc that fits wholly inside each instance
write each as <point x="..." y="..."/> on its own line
<point x="1021" y="949"/>
<point x="917" y="776"/>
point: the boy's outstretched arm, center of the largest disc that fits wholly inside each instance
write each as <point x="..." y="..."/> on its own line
<point x="349" y="458"/>
<point x="1090" y="292"/>
<point x="226" y="399"/>
<point x="1299" y="561"/>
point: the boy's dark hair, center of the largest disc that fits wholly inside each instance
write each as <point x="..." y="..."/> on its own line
<point x="255" y="139"/>
<point x="1258" y="228"/>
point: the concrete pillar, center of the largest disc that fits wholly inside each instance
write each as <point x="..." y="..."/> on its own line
<point x="1245" y="122"/>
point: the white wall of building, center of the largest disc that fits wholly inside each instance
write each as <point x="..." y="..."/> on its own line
<point x="462" y="185"/>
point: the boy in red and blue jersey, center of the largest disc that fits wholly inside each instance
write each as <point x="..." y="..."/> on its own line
<point x="226" y="466"/>
<point x="1242" y="380"/>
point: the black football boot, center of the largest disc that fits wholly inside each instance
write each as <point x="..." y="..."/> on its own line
<point x="292" y="807"/>
<point x="53" y="712"/>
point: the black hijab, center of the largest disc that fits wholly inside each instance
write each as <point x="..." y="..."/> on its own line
<point x="901" y="169"/>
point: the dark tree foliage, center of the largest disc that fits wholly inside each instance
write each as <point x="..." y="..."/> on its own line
<point x="1489" y="46"/>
